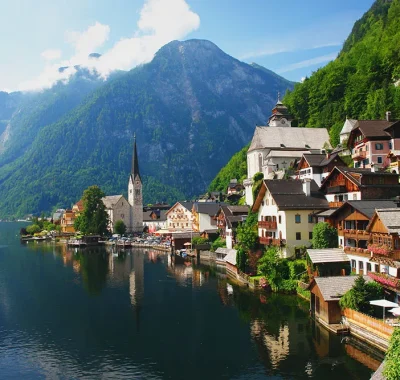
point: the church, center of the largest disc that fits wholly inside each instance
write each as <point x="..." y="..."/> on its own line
<point x="129" y="211"/>
<point x="278" y="146"/>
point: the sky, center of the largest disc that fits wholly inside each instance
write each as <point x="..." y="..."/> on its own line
<point x="290" y="37"/>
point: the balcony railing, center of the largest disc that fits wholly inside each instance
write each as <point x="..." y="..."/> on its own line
<point x="270" y="225"/>
<point x="356" y="234"/>
<point x="267" y="240"/>
<point x="359" y="155"/>
<point x="357" y="251"/>
<point x="335" y="204"/>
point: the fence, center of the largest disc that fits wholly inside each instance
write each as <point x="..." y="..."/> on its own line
<point x="375" y="324"/>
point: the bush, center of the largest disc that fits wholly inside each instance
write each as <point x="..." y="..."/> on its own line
<point x="218" y="243"/>
<point x="296" y="268"/>
<point x="33" y="229"/>
<point x="324" y="236"/>
<point x="197" y="240"/>
<point x="392" y="359"/>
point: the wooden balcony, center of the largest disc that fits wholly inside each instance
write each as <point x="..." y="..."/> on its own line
<point x="269" y="225"/>
<point x="335" y="204"/>
<point x="267" y="240"/>
<point x="356" y="234"/>
<point x="357" y="251"/>
<point x="359" y="155"/>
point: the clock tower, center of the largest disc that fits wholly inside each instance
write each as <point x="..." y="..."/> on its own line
<point x="280" y="116"/>
<point x="135" y="195"/>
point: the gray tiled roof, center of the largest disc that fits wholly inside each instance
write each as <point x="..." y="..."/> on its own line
<point x="332" y="288"/>
<point x="368" y="207"/>
<point x="230" y="255"/>
<point x="348" y="125"/>
<point x="209" y="208"/>
<point x="110" y="200"/>
<point x="329" y="255"/>
<point x="275" y="137"/>
<point x="390" y="217"/>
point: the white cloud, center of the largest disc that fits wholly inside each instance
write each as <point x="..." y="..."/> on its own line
<point x="307" y="63"/>
<point x="160" y="22"/>
<point x="51" y="54"/>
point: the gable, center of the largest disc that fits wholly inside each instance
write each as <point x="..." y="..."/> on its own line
<point x="376" y="225"/>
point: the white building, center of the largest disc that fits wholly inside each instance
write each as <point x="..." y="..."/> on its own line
<point x="348" y="125"/>
<point x="286" y="211"/>
<point x="278" y="146"/>
<point x="180" y="217"/>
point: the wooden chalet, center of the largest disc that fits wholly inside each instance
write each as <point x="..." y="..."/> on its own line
<point x="344" y="184"/>
<point x="227" y="218"/>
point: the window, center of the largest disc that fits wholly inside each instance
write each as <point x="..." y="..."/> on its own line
<point x="353" y="264"/>
<point x="267" y="202"/>
<point x="122" y="216"/>
<point x="130" y="191"/>
<point x="366" y="161"/>
<point x="368" y="267"/>
<point x="390" y="145"/>
<point x="310" y="235"/>
<point x="137" y="192"/>
<point x="354" y="197"/>
<point x="298" y="235"/>
<point x="377" y="268"/>
<point x="280" y="219"/>
<point x="361" y="265"/>
<point x="310" y="218"/>
<point x="297" y="218"/>
<point x="378" y="146"/>
<point x="379" y="159"/>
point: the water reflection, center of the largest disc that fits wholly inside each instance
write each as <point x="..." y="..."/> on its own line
<point x="150" y="314"/>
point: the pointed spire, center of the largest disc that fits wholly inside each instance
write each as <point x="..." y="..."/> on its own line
<point x="279" y="96"/>
<point x="135" y="161"/>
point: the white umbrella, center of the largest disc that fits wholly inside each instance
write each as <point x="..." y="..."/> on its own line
<point x="384" y="303"/>
<point x="395" y="311"/>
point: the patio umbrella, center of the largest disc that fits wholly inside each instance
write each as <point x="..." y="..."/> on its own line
<point x="187" y="243"/>
<point x="395" y="311"/>
<point x="384" y="303"/>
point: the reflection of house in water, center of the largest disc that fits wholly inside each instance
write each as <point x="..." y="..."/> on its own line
<point x="278" y="346"/>
<point x="185" y="273"/>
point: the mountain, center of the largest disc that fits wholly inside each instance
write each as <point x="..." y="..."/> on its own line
<point x="191" y="108"/>
<point x="362" y="82"/>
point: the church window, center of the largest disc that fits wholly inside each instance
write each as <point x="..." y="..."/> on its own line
<point x="259" y="162"/>
<point x="130" y="191"/>
<point x="137" y="192"/>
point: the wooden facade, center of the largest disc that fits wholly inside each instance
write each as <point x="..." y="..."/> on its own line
<point x="327" y="311"/>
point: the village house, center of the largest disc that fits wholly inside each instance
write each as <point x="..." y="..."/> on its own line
<point x="118" y="208"/>
<point x="180" y="217"/>
<point x="69" y="216"/>
<point x="286" y="210"/>
<point x="203" y="216"/>
<point x="384" y="246"/>
<point x="278" y="146"/>
<point x="343" y="184"/>
<point x="154" y="220"/>
<point x="227" y="218"/>
<point x="370" y="141"/>
<point x="351" y="221"/>
<point x="325" y="295"/>
<point x="317" y="166"/>
<point x="348" y="126"/>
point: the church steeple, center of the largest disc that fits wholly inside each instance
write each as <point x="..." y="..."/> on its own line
<point x="135" y="161"/>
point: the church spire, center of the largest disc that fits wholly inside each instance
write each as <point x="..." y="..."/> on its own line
<point x="135" y="161"/>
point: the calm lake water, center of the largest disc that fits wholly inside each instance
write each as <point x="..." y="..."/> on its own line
<point x="89" y="314"/>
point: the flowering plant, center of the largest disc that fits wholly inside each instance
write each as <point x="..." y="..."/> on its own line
<point x="379" y="249"/>
<point x="385" y="280"/>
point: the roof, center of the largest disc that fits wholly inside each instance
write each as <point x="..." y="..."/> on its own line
<point x="135" y="162"/>
<point x="373" y="128"/>
<point x="184" y="235"/>
<point x="289" y="195"/>
<point x="230" y="255"/>
<point x="187" y="205"/>
<point x="209" y="208"/>
<point x="239" y="209"/>
<point x="368" y="207"/>
<point x="211" y="231"/>
<point x="161" y="216"/>
<point x="326" y="213"/>
<point x="390" y="217"/>
<point x="332" y="288"/>
<point x="298" y="138"/>
<point x="233" y="220"/>
<point x="110" y="200"/>
<point x="79" y="205"/>
<point x="329" y="255"/>
<point x="348" y="125"/>
<point x="286" y="153"/>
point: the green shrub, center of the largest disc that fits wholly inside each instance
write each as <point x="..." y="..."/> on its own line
<point x="198" y="240"/>
<point x="392" y="359"/>
<point x="218" y="243"/>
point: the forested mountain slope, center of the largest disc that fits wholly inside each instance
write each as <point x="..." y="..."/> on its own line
<point x="361" y="83"/>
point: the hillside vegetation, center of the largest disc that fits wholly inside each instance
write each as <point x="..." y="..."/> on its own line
<point x="360" y="82"/>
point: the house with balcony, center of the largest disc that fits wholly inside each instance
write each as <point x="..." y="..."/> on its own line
<point x="227" y="218"/>
<point x="371" y="140"/>
<point x="180" y="217"/>
<point x="343" y="184"/>
<point x="351" y="221"/>
<point x="286" y="210"/>
<point x="69" y="216"/>
<point x="317" y="166"/>
<point x="203" y="214"/>
<point x="384" y="245"/>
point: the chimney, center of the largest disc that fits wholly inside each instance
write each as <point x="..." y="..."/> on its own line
<point x="388" y="115"/>
<point x="307" y="187"/>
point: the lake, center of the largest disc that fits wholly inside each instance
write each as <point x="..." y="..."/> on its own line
<point x="93" y="314"/>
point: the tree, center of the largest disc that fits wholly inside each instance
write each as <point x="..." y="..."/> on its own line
<point x="33" y="229"/>
<point x="324" y="236"/>
<point x="392" y="359"/>
<point x="241" y="259"/>
<point x="94" y="217"/>
<point x="119" y="227"/>
<point x="358" y="297"/>
<point x="258" y="179"/>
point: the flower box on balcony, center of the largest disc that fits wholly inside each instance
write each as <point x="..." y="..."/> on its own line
<point x="385" y="280"/>
<point x="379" y="249"/>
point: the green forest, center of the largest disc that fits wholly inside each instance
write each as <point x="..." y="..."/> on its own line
<point x="362" y="82"/>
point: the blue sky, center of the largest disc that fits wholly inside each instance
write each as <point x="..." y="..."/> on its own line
<point x="290" y="37"/>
